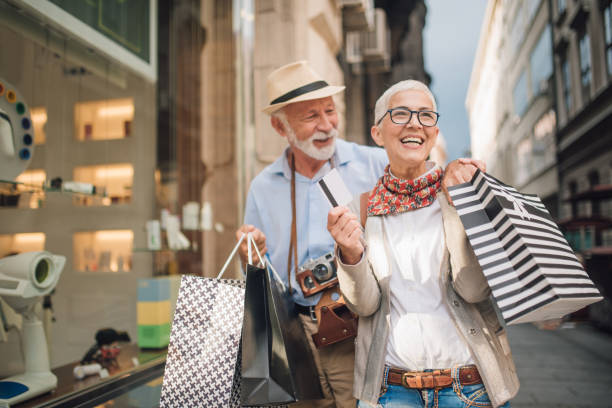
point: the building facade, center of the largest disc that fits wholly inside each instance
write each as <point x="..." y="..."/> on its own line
<point x="510" y="98"/>
<point x="583" y="60"/>
<point x="388" y="53"/>
<point x="582" y="34"/>
<point x="540" y="111"/>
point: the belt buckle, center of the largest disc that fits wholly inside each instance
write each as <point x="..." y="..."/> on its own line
<point x="407" y="375"/>
<point x="418" y="376"/>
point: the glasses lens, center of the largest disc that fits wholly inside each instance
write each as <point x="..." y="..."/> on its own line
<point x="428" y="118"/>
<point x="400" y="116"/>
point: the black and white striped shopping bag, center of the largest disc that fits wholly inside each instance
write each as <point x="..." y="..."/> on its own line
<point x="532" y="271"/>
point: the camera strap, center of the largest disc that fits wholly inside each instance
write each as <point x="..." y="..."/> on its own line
<point x="293" y="242"/>
<point x="292" y="256"/>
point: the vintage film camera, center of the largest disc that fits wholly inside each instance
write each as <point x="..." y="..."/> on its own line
<point x="317" y="274"/>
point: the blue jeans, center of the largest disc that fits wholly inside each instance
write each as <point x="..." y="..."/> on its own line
<point x="454" y="396"/>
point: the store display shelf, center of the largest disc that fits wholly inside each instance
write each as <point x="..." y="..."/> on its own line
<point x="163" y="250"/>
<point x="19" y="187"/>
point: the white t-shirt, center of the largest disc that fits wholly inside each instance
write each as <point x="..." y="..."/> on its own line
<point x="422" y="334"/>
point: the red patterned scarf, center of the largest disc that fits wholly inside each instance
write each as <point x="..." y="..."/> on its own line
<point x="393" y="195"/>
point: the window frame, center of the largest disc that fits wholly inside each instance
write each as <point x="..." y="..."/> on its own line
<point x="544" y="40"/>
<point x="566" y="82"/>
<point x="586" y="64"/>
<point x="522" y="77"/>
<point x="607" y="26"/>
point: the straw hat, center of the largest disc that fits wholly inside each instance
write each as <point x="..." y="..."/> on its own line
<point x="296" y="82"/>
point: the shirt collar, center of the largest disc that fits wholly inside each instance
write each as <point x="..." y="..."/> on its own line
<point x="342" y="155"/>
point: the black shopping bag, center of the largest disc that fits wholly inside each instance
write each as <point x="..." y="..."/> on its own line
<point x="277" y="364"/>
<point x="531" y="269"/>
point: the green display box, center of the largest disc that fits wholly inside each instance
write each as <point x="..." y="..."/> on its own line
<point x="153" y="336"/>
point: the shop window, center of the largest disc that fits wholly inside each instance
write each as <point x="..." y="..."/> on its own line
<point x="18" y="243"/>
<point x="104" y="120"/>
<point x="608" y="33"/>
<point x="584" y="206"/>
<point x="580" y="240"/>
<point x="519" y="95"/>
<point x="585" y="64"/>
<point x="541" y="63"/>
<point x="112" y="182"/>
<point x="39" y="120"/>
<point x="103" y="251"/>
<point x="31" y="188"/>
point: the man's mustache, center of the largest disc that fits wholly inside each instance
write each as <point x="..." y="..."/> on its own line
<point x="323" y="135"/>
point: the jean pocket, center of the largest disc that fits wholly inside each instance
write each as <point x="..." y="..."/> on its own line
<point x="473" y="395"/>
<point x="383" y="391"/>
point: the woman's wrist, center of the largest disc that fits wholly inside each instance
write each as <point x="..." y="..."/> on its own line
<point x="349" y="257"/>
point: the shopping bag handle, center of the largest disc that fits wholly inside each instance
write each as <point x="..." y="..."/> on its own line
<point x="250" y="242"/>
<point x="265" y="264"/>
<point x="276" y="275"/>
<point x="519" y="207"/>
<point x="231" y="256"/>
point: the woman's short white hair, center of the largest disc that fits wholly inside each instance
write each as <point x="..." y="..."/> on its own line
<point x="382" y="104"/>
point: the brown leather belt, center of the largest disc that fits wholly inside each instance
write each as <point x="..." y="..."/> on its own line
<point x="468" y="375"/>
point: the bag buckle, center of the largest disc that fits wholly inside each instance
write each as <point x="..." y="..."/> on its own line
<point x="313" y="315"/>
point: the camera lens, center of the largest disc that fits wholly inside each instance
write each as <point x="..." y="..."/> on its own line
<point x="321" y="272"/>
<point x="42" y="271"/>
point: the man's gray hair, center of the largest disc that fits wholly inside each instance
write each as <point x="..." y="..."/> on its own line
<point x="382" y="104"/>
<point x="281" y="115"/>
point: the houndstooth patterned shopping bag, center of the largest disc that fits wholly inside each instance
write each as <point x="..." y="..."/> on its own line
<point x="203" y="366"/>
<point x="203" y="352"/>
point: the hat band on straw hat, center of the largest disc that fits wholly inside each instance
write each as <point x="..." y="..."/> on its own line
<point x="313" y="86"/>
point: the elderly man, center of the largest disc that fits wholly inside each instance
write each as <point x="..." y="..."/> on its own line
<point x="428" y="333"/>
<point x="286" y="211"/>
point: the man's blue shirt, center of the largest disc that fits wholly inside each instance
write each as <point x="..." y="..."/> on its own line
<point x="268" y="205"/>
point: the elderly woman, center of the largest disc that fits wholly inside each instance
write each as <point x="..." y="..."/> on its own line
<point x="428" y="334"/>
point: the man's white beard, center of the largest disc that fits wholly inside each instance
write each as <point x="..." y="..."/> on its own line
<point x="308" y="147"/>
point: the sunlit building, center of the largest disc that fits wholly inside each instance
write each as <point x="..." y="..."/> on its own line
<point x="510" y="98"/>
<point x="540" y="107"/>
<point x="583" y="61"/>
